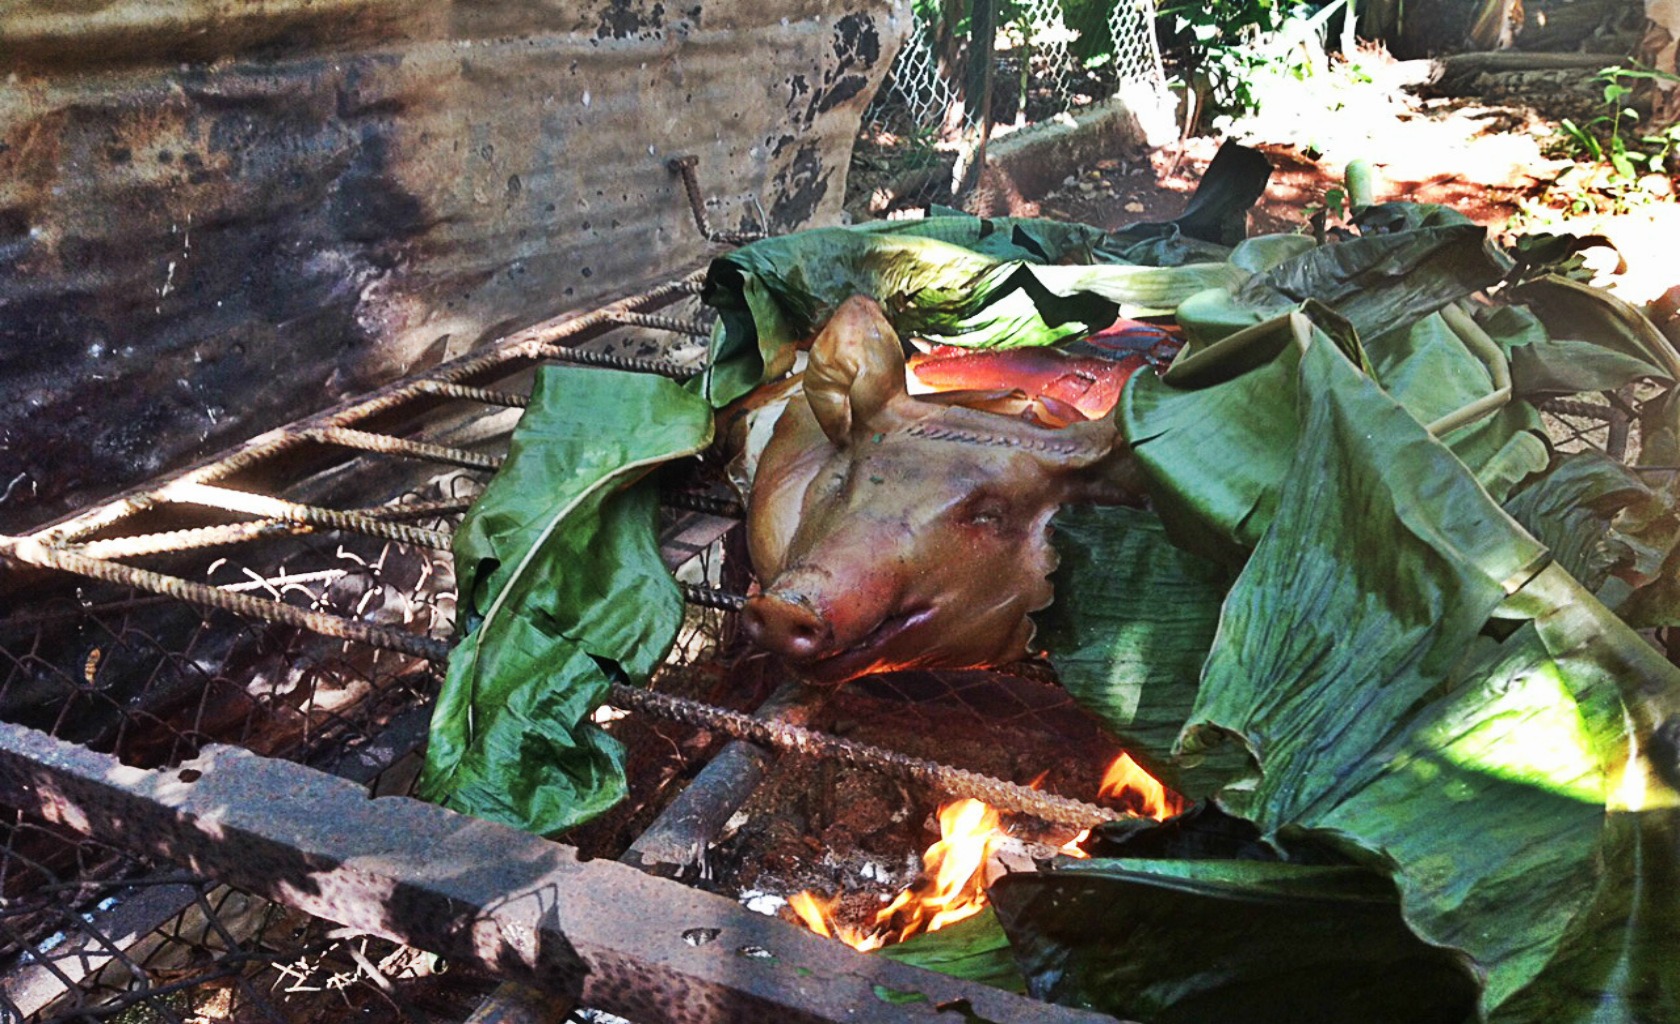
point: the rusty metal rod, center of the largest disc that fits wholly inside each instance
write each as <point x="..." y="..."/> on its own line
<point x="521" y="907"/>
<point x="673" y="324"/>
<point x="691" y="502"/>
<point x="686" y="167"/>
<point x="31" y="551"/>
<point x="689" y="825"/>
<point x="1573" y="407"/>
<point x="582" y="357"/>
<point x="527" y="346"/>
<point x="1004" y="795"/>
<point x="709" y="597"/>
<point x="780" y="735"/>
<point x="443" y="389"/>
<point x="385" y="444"/>
<point x="262" y="505"/>
<point x="197" y="538"/>
<point x="176" y="541"/>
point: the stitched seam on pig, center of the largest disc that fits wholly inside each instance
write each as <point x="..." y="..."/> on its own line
<point x="971" y="437"/>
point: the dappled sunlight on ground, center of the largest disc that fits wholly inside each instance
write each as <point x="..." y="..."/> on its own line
<point x="1495" y="163"/>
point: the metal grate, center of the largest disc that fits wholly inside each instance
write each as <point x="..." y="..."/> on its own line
<point x="293" y="597"/>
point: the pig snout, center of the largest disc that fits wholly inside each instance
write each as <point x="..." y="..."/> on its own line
<point x="787" y="625"/>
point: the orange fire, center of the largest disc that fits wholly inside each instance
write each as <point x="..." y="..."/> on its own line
<point x="1127" y="782"/>
<point x="952" y="886"/>
<point x="1139" y="791"/>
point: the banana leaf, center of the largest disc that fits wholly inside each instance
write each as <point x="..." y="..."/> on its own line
<point x="1244" y="942"/>
<point x="773" y="294"/>
<point x="1215" y="219"/>
<point x="1132" y="623"/>
<point x="1429" y="370"/>
<point x="975" y="948"/>
<point x="1612" y="529"/>
<point x="562" y="591"/>
<point x="1521" y="794"/>
<point x="1564" y="337"/>
<point x="1032" y="239"/>
<point x="1377" y="283"/>
<point x="1598" y="517"/>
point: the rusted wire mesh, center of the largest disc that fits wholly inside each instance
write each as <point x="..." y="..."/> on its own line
<point x="1049" y="58"/>
<point x="90" y="933"/>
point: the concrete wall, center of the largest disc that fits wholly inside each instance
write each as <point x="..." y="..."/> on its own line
<point x="217" y="215"/>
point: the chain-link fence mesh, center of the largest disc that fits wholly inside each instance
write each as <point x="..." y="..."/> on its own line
<point x="1048" y="58"/>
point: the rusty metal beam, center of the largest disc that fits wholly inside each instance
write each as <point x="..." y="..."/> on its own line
<point x="527" y="909"/>
<point x="145" y="904"/>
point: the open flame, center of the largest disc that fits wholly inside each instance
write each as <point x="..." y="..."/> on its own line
<point x="1136" y="790"/>
<point x="953" y="881"/>
<point x="951" y="888"/>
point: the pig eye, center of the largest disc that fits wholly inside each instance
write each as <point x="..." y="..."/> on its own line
<point x="985" y="512"/>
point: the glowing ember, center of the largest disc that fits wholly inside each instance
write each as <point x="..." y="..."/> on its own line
<point x="951" y="888"/>
<point x="1072" y="848"/>
<point x="1138" y="790"/>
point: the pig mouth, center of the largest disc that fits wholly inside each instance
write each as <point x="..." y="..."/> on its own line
<point x="863" y="654"/>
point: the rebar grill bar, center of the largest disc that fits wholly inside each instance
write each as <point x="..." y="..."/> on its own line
<point x="280" y="509"/>
<point x="547" y="340"/>
<point x="414" y="529"/>
<point x="380" y="444"/>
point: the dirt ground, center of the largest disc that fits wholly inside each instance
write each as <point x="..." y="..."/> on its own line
<point x="1501" y="164"/>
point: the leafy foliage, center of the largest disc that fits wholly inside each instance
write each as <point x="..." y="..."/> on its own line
<point x="1371" y="617"/>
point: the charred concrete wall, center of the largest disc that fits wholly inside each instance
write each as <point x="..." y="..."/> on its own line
<point x="217" y="215"/>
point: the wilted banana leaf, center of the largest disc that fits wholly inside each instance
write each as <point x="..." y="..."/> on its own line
<point x="562" y="591"/>
<point x="1564" y="337"/>
<point x="1033" y="239"/>
<point x="1214" y="455"/>
<point x="1378" y="527"/>
<point x="1387" y="218"/>
<point x="1349" y="665"/>
<point x="1133" y="619"/>
<point x="777" y="292"/>
<point x="1377" y="283"/>
<point x="1215" y="219"/>
<point x="1599" y="517"/>
<point x="1430" y="370"/>
<point x="975" y="948"/>
<point x="1244" y="942"/>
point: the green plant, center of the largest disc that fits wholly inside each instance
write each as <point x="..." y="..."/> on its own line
<point x="1231" y="49"/>
<point x="1610" y="138"/>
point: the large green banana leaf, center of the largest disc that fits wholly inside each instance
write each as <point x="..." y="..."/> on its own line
<point x="1132" y="623"/>
<point x="1378" y="283"/>
<point x="1565" y="337"/>
<point x="1520" y="794"/>
<point x="561" y="590"/>
<point x="1248" y="942"/>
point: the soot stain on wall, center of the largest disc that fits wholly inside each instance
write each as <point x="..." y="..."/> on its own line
<point x="241" y="291"/>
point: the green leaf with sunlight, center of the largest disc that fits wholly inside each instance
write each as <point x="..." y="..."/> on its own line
<point x="562" y="592"/>
<point x="1489" y="780"/>
<point x="1374" y="572"/>
<point x="775" y="293"/>
<point x="1133" y="619"/>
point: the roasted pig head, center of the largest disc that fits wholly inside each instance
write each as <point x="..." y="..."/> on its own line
<point x="892" y="531"/>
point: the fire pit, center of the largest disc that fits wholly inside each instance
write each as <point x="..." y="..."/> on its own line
<point x="292" y="597"/>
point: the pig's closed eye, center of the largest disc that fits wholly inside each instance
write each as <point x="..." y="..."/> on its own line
<point x="985" y="512"/>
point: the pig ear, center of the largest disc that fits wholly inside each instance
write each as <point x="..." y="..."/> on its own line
<point x="1097" y="466"/>
<point x="856" y="369"/>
